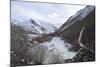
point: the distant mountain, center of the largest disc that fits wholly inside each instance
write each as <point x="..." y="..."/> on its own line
<point x="36" y="26"/>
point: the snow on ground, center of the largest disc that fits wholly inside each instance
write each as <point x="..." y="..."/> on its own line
<point x="57" y="45"/>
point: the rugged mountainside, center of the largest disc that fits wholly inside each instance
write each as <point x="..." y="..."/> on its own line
<point x="70" y="30"/>
<point x="83" y="18"/>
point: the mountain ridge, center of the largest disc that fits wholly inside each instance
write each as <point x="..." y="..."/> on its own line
<point x="34" y="26"/>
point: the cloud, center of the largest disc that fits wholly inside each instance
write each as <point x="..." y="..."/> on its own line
<point x="53" y="15"/>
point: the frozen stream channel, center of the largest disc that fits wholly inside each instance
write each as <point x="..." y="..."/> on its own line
<point x="54" y="51"/>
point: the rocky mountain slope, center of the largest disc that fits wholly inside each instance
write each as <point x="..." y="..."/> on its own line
<point x="83" y="18"/>
<point x="70" y="30"/>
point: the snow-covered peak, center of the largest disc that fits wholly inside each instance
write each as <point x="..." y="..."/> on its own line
<point x="36" y="26"/>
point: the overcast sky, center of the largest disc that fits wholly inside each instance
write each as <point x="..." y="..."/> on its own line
<point x="56" y="14"/>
